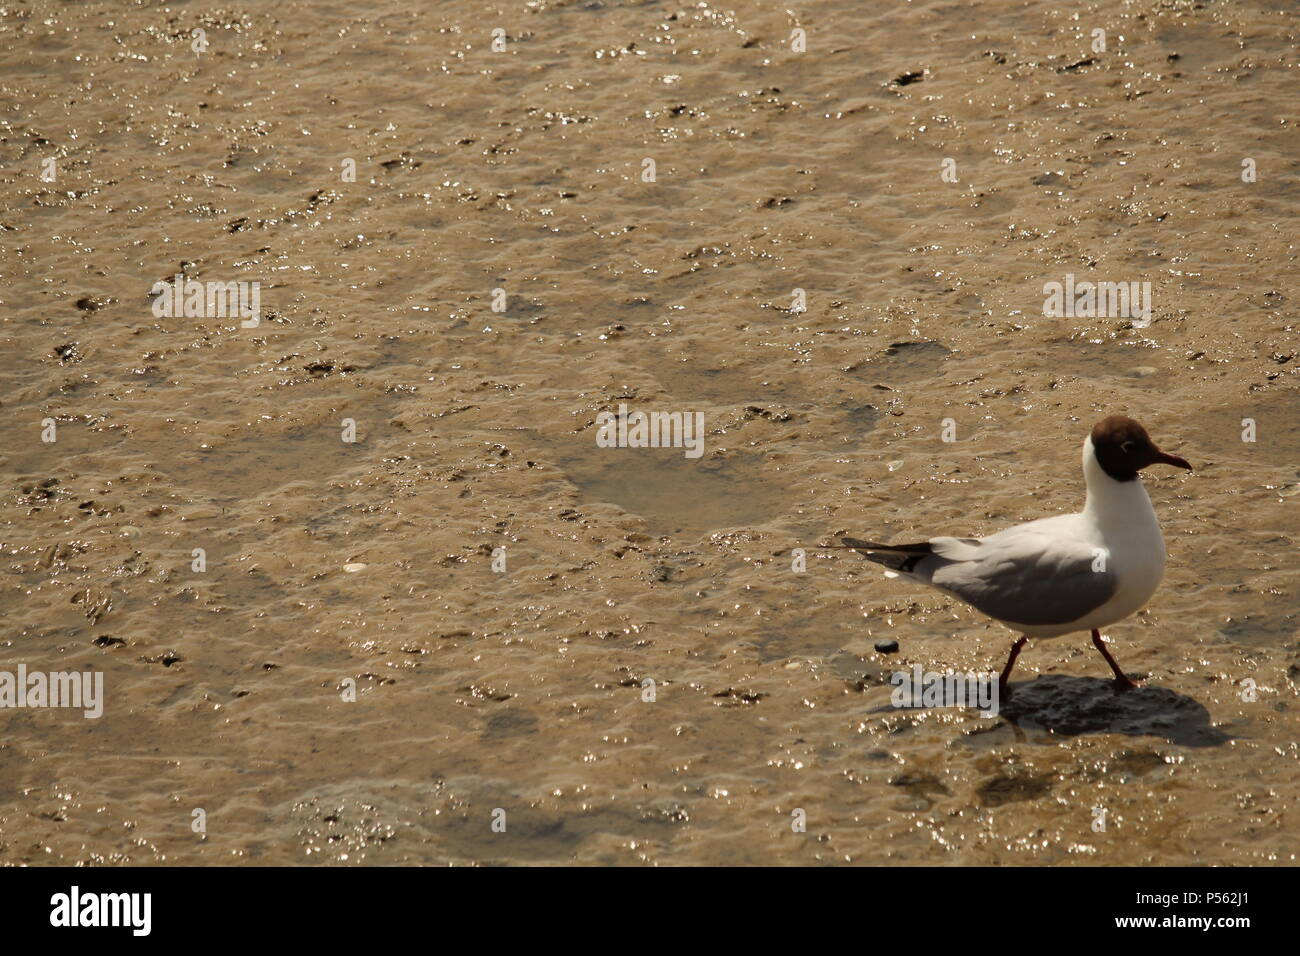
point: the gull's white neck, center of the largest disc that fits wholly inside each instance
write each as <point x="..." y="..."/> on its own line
<point x="1111" y="502"/>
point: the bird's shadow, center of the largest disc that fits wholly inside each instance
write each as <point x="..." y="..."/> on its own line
<point x="1073" y="706"/>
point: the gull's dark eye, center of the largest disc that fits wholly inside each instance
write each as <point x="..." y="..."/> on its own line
<point x="1126" y="448"/>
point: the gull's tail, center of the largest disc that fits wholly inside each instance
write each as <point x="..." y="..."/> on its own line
<point x="897" y="557"/>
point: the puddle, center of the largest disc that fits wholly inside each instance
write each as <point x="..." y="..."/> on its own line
<point x="77" y="447"/>
<point x="255" y="465"/>
<point x="1085" y="359"/>
<point x="1261" y="629"/>
<point x="1276" y="420"/>
<point x="904" y="362"/>
<point x="674" y="494"/>
<point x="691" y="379"/>
<point x="861" y="418"/>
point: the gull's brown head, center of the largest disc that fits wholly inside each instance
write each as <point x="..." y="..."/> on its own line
<point x="1123" y="448"/>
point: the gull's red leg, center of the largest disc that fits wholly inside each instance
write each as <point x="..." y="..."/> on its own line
<point x="1011" y="662"/>
<point x="1120" y="677"/>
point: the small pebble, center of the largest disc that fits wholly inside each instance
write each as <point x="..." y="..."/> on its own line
<point x="887" y="647"/>
<point x="353" y="568"/>
<point x="129" y="531"/>
<point x="895" y="465"/>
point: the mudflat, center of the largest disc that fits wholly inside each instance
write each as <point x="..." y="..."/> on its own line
<point x="833" y="233"/>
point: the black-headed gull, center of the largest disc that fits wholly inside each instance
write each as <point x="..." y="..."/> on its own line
<point x="1054" y="576"/>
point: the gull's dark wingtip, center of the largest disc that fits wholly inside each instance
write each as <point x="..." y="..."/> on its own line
<point x="896" y="557"/>
<point x="920" y="547"/>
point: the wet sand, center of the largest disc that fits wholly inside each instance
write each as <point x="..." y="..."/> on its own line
<point x="522" y="170"/>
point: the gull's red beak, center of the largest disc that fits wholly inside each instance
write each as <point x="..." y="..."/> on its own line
<point x="1163" y="459"/>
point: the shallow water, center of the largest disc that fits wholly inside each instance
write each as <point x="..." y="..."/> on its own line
<point x="522" y="691"/>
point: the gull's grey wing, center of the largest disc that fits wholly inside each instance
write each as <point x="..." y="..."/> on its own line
<point x="1022" y="576"/>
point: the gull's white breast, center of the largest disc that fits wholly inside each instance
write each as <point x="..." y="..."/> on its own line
<point x="1127" y="529"/>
